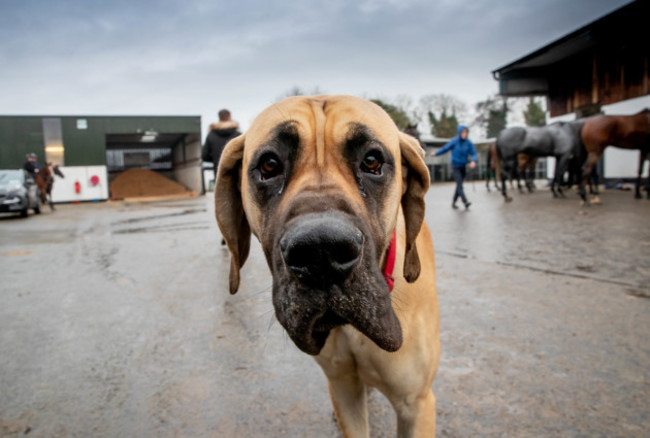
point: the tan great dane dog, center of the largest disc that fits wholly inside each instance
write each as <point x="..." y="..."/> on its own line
<point x="335" y="194"/>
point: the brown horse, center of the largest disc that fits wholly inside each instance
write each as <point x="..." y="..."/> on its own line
<point x="628" y="132"/>
<point x="525" y="167"/>
<point x="45" y="181"/>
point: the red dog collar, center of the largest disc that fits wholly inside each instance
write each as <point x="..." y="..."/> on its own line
<point x="390" y="262"/>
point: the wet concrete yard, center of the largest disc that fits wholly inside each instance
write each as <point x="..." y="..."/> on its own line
<point x="115" y="321"/>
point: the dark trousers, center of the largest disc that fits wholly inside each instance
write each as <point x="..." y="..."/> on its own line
<point x="459" y="176"/>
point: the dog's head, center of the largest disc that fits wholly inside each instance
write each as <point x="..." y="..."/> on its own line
<point x="320" y="181"/>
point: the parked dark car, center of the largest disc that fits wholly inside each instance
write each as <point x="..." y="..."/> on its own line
<point x="18" y="192"/>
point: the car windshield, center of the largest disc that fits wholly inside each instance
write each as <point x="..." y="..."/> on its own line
<point x="11" y="177"/>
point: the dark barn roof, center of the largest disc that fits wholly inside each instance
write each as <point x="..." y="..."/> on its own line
<point x="624" y="30"/>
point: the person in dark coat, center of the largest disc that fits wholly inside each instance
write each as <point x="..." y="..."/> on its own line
<point x="220" y="134"/>
<point x="461" y="149"/>
<point x="218" y="137"/>
<point x="31" y="165"/>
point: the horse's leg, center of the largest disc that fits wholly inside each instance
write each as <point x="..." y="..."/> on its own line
<point x="531" y="180"/>
<point x="497" y="187"/>
<point x="42" y="193"/>
<point x="529" y="175"/>
<point x="643" y="156"/>
<point x="560" y="167"/>
<point x="594" y="180"/>
<point x="647" y="181"/>
<point x="518" y="177"/>
<point x="505" y="174"/>
<point x="637" y="193"/>
<point x="592" y="160"/>
<point x="555" y="179"/>
<point x="48" y="192"/>
<point x="488" y="169"/>
<point x="572" y="174"/>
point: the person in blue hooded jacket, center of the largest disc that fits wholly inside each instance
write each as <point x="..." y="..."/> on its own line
<point x="461" y="149"/>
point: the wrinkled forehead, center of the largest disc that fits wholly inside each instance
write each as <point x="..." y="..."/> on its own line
<point x="312" y="119"/>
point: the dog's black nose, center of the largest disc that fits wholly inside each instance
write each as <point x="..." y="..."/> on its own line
<point x="321" y="249"/>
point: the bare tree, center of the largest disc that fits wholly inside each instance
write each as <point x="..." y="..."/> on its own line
<point x="299" y="91"/>
<point x="443" y="103"/>
<point x="492" y="115"/>
<point x="442" y="112"/>
<point x="405" y="103"/>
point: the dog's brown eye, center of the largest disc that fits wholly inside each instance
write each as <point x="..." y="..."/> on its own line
<point x="270" y="167"/>
<point x="372" y="163"/>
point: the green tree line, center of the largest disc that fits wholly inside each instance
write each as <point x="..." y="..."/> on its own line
<point x="444" y="112"/>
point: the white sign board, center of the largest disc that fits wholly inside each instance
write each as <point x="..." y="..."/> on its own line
<point x="81" y="183"/>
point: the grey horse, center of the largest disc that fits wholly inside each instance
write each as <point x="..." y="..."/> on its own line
<point x="560" y="140"/>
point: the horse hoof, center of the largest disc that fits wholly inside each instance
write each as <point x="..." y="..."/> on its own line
<point x="595" y="200"/>
<point x="508" y="199"/>
<point x="638" y="196"/>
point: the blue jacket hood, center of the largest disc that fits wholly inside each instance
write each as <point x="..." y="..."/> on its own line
<point x="460" y="149"/>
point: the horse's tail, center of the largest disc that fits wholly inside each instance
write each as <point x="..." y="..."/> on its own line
<point x="488" y="169"/>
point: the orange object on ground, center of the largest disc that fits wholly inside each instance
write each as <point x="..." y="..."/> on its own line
<point x="142" y="182"/>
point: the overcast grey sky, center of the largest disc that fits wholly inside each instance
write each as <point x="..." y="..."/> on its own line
<point x="193" y="57"/>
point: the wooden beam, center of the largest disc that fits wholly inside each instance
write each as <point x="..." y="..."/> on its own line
<point x="594" y="80"/>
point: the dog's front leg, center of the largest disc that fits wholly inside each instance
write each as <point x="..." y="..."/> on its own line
<point x="349" y="400"/>
<point x="416" y="418"/>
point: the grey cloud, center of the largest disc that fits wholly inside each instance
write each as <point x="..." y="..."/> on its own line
<point x="193" y="56"/>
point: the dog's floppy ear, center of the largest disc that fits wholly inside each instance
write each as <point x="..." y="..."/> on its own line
<point x="415" y="183"/>
<point x="229" y="208"/>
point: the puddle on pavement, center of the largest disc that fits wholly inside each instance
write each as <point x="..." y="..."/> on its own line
<point x="160" y="216"/>
<point x="161" y="228"/>
<point x="174" y="205"/>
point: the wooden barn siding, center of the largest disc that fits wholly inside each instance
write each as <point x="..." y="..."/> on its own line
<point x="598" y="77"/>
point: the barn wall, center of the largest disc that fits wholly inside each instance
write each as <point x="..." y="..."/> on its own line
<point x="600" y="76"/>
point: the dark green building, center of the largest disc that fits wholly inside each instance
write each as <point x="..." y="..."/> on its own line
<point x="167" y="144"/>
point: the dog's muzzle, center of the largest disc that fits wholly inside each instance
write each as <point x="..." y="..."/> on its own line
<point x="326" y="275"/>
